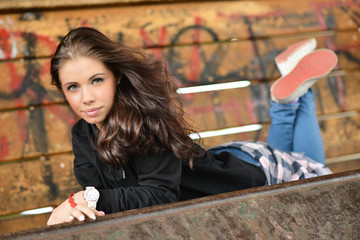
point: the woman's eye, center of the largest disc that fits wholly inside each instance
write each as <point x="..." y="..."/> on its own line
<point x="72" y="88"/>
<point x="97" y="80"/>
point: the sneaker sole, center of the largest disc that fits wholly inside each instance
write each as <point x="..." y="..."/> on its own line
<point x="311" y="67"/>
<point x="287" y="60"/>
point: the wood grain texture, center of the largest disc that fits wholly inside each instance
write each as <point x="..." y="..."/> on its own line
<point x="34" y="4"/>
<point x="23" y="222"/>
<point x="35" y="132"/>
<point x="340" y="135"/>
<point x="203" y="42"/>
<point x="242" y="106"/>
<point x="28" y="34"/>
<point x="27" y="82"/>
<point x="44" y="130"/>
<point x="38" y="183"/>
<point x="345" y="166"/>
<point x="48" y="180"/>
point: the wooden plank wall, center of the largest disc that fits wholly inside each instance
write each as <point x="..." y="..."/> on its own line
<point x="203" y="42"/>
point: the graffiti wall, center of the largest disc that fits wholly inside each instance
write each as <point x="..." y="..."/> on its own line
<point x="202" y="43"/>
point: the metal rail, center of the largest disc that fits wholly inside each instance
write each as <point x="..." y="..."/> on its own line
<point x="326" y="207"/>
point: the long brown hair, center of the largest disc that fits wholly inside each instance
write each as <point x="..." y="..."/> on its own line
<point x="147" y="115"/>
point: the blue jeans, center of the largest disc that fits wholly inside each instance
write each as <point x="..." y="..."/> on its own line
<point x="294" y="128"/>
<point x="237" y="153"/>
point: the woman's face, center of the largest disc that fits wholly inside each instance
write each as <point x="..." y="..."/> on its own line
<point x="89" y="87"/>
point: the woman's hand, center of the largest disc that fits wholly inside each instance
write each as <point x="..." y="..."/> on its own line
<point x="65" y="213"/>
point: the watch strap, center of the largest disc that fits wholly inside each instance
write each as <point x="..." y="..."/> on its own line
<point x="91" y="204"/>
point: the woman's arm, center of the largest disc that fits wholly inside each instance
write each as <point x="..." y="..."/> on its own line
<point x="157" y="182"/>
<point x="65" y="213"/>
<point x="149" y="179"/>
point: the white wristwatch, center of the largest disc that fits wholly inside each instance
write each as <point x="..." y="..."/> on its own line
<point x="91" y="195"/>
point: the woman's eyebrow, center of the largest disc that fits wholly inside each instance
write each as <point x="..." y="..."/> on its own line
<point x="69" y="83"/>
<point x="95" y="75"/>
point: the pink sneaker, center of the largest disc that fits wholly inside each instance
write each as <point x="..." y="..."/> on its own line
<point x="310" y="68"/>
<point x="287" y="60"/>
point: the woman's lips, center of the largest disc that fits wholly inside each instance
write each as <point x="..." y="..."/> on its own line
<point x="92" y="112"/>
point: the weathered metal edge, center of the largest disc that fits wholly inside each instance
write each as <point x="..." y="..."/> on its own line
<point x="173" y="208"/>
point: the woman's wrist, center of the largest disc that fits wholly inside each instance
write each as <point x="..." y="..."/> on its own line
<point x="91" y="196"/>
<point x="79" y="198"/>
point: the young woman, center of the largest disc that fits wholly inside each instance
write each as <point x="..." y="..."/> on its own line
<point x="132" y="145"/>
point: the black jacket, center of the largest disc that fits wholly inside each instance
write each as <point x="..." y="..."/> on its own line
<point x="150" y="180"/>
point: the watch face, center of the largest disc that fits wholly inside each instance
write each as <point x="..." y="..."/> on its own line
<point x="91" y="194"/>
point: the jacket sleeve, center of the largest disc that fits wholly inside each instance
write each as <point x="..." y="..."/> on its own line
<point x="158" y="178"/>
<point x="158" y="183"/>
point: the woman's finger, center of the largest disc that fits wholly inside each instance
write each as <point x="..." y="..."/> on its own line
<point x="99" y="213"/>
<point x="79" y="215"/>
<point x="85" y="211"/>
<point x="70" y="219"/>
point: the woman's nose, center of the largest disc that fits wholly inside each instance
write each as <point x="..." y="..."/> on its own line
<point x="88" y="96"/>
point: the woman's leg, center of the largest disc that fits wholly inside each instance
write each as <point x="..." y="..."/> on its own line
<point x="307" y="135"/>
<point x="281" y="131"/>
<point x="294" y="128"/>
